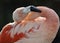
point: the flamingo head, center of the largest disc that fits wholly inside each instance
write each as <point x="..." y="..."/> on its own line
<point x="21" y="13"/>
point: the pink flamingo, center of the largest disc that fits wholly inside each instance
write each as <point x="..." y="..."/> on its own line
<point x="31" y="25"/>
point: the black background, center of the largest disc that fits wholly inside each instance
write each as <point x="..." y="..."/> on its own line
<point x="8" y="6"/>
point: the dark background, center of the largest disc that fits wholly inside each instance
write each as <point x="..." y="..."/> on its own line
<point x="8" y="6"/>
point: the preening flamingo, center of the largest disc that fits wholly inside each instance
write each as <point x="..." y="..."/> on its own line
<point x="31" y="25"/>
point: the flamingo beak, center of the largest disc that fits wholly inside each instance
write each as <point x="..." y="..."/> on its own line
<point x="31" y="8"/>
<point x="34" y="9"/>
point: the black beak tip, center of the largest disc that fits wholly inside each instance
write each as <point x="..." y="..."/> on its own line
<point x="34" y="9"/>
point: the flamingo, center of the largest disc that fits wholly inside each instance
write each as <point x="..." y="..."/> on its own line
<point x="31" y="25"/>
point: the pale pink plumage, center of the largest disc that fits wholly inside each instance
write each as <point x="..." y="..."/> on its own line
<point x="32" y="28"/>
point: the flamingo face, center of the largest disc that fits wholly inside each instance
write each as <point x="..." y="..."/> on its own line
<point x="20" y="13"/>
